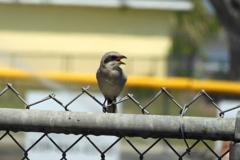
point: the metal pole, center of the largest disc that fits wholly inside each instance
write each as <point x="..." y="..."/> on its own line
<point x="234" y="151"/>
<point x="155" y="126"/>
<point x="235" y="146"/>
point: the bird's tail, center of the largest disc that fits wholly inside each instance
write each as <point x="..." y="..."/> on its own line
<point x="113" y="107"/>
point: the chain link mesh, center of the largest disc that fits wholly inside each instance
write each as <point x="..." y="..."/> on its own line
<point x="129" y="97"/>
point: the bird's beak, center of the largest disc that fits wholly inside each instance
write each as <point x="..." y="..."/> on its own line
<point x="119" y="60"/>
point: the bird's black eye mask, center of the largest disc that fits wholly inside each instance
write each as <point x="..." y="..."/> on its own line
<point x="110" y="58"/>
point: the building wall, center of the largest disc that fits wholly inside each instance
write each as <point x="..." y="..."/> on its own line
<point x="72" y="30"/>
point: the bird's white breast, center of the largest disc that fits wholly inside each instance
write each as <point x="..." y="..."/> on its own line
<point x="111" y="82"/>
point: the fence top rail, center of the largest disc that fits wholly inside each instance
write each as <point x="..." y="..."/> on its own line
<point x="154" y="126"/>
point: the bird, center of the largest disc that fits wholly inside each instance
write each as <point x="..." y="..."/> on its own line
<point x="111" y="78"/>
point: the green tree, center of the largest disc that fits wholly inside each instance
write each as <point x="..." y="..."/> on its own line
<point x="193" y="29"/>
<point x="228" y="12"/>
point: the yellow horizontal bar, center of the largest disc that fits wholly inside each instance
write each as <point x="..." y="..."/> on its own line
<point x="216" y="86"/>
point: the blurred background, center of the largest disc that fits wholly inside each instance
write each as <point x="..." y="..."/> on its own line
<point x="196" y="39"/>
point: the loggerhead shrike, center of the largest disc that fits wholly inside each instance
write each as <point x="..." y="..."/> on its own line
<point x="111" y="78"/>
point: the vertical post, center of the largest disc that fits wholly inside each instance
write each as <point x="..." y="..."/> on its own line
<point x="234" y="151"/>
<point x="235" y="146"/>
<point x="65" y="62"/>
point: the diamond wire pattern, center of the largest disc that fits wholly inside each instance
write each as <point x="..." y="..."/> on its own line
<point x="130" y="97"/>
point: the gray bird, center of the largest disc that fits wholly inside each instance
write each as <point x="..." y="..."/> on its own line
<point x="111" y="78"/>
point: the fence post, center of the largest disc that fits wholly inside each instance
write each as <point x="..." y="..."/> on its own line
<point x="235" y="146"/>
<point x="234" y="151"/>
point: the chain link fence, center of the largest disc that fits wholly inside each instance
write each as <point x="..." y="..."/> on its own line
<point x="124" y="126"/>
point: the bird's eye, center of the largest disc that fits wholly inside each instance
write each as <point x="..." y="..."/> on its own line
<point x="113" y="57"/>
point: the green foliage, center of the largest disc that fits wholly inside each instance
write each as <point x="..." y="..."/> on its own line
<point x="193" y="29"/>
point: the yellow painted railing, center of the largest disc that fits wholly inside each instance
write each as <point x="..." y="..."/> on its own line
<point x="216" y="86"/>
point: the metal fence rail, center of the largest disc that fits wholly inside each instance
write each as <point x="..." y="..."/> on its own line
<point x="122" y="125"/>
<point x="151" y="126"/>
